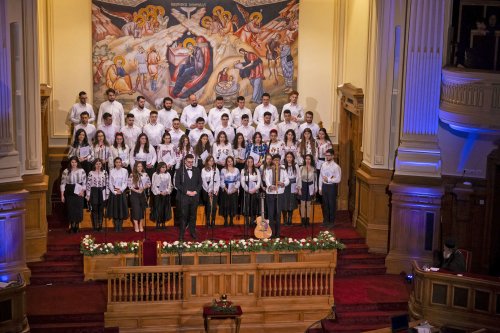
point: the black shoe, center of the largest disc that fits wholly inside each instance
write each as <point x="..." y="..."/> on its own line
<point x="231" y="221"/>
<point x="193" y="236"/>
<point x="225" y="221"/>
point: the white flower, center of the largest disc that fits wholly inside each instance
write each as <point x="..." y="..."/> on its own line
<point x="225" y="246"/>
<point x="165" y="243"/>
<point x="169" y="245"/>
<point x="176" y="243"/>
<point x="302" y="240"/>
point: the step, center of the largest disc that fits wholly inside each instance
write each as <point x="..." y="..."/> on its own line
<point x="56" y="278"/>
<point x="361" y="307"/>
<point x="94" y="327"/>
<point x="336" y="327"/>
<point x="360" y="269"/>
<point x="63" y="256"/>
<point x="66" y="318"/>
<point x="353" y="249"/>
<point x="361" y="258"/>
<point x="352" y="240"/>
<point x="367" y="317"/>
<point x="63" y="247"/>
<point x="56" y="266"/>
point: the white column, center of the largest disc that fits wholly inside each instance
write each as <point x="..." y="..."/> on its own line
<point x="9" y="157"/>
<point x="418" y="152"/>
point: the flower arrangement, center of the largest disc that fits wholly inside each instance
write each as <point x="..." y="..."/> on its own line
<point x="325" y="240"/>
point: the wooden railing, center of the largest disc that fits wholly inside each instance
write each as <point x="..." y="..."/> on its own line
<point x="444" y="298"/>
<point x="257" y="281"/>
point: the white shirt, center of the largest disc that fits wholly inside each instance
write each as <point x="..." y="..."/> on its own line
<point x="271" y="182"/>
<point x="331" y="171"/>
<point x="264" y="130"/>
<point x="296" y="110"/>
<point x="210" y="180"/>
<point x="130" y="134"/>
<point x="314" y="129"/>
<point x="194" y="136"/>
<point x="283" y="127"/>
<point x="165" y="117"/>
<point x="236" y="114"/>
<point x="124" y="154"/>
<point x="276" y="148"/>
<point x="147" y="158"/>
<point x="176" y="135"/>
<point x="221" y="152"/>
<point x="89" y="129"/>
<point x="118" y="178"/>
<point x="258" y="115"/>
<point x="214" y="115"/>
<point x="141" y="116"/>
<point x="247" y="131"/>
<point x="166" y="153"/>
<point x="109" y="131"/>
<point x="229" y="130"/>
<point x="160" y="180"/>
<point x="115" y="109"/>
<point x="251" y="178"/>
<point x="190" y="114"/>
<point x="78" y="108"/>
<point x="154" y="133"/>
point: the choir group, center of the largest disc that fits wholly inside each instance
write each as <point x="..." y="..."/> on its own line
<point x="171" y="161"/>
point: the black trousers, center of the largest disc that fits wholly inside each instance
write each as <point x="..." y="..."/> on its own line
<point x="275" y="204"/>
<point x="189" y="207"/>
<point x="329" y="205"/>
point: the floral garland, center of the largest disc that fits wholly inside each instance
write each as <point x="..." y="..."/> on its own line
<point x="324" y="241"/>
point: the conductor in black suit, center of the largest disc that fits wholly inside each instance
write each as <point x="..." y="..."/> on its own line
<point x="188" y="183"/>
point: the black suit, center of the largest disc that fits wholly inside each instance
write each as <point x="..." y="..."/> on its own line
<point x="188" y="204"/>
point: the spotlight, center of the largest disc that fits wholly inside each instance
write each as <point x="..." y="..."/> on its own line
<point x="4" y="278"/>
<point x="409" y="278"/>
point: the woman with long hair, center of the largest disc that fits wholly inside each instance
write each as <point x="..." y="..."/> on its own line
<point x="202" y="150"/>
<point x="290" y="144"/>
<point x="117" y="202"/>
<point x="100" y="148"/>
<point x="251" y="182"/>
<point x="308" y="188"/>
<point x="307" y="145"/>
<point x="292" y="189"/>
<point x="275" y="145"/>
<point x="82" y="150"/>
<point x="183" y="149"/>
<point x="222" y="149"/>
<point x="161" y="188"/>
<point x="230" y="184"/>
<point x="323" y="143"/>
<point x="145" y="153"/>
<point x="73" y="182"/>
<point x="239" y="150"/>
<point x="119" y="149"/>
<point x="138" y="183"/>
<point x="257" y="149"/>
<point x="97" y="193"/>
<point x="210" y="177"/>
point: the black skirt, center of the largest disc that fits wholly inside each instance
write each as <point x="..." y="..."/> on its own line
<point x="290" y="199"/>
<point x="228" y="203"/>
<point x="117" y="207"/>
<point x="74" y="204"/>
<point x="250" y="204"/>
<point x="96" y="195"/>
<point x="138" y="204"/>
<point x="162" y="209"/>
<point x="305" y="195"/>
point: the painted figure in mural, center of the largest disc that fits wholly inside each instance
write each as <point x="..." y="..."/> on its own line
<point x="287" y="65"/>
<point x="272" y="55"/>
<point x="253" y="69"/>
<point x="153" y="60"/>
<point x="249" y="31"/>
<point x="98" y="68"/>
<point x="141" y="62"/>
<point x="117" y="78"/>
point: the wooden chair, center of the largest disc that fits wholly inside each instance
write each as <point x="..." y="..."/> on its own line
<point x="468" y="258"/>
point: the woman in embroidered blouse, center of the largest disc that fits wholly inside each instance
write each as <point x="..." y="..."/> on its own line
<point x="97" y="193"/>
<point x="239" y="152"/>
<point x="161" y="188"/>
<point x="308" y="188"/>
<point x="101" y="149"/>
<point x="292" y="189"/>
<point x="290" y="144"/>
<point x="307" y="145"/>
<point x="202" y="150"/>
<point x="323" y="143"/>
<point x="143" y="152"/>
<point x="165" y="152"/>
<point x="230" y="184"/>
<point x="257" y="149"/>
<point x="251" y="182"/>
<point x="210" y="178"/>
<point x="119" y="149"/>
<point x="275" y="145"/>
<point x="138" y="183"/>
<point x="183" y="149"/>
<point x="73" y="181"/>
<point x="117" y="204"/>
<point x="82" y="150"/>
<point x="222" y="149"/>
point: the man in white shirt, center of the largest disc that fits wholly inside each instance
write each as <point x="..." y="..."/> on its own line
<point x="167" y="114"/>
<point x="191" y="112"/>
<point x="296" y="110"/>
<point x="239" y="111"/>
<point x="261" y="109"/>
<point x="108" y="127"/>
<point x="154" y="130"/>
<point x="84" y="124"/>
<point x="131" y="131"/>
<point x="214" y="115"/>
<point x="287" y="124"/>
<point x="194" y="134"/>
<point x="266" y="127"/>
<point x="114" y="108"/>
<point x="245" y="129"/>
<point x="141" y="113"/>
<point x="329" y="177"/>
<point x="226" y="128"/>
<point x="82" y="106"/>
<point x="277" y="179"/>
<point x="309" y="124"/>
<point x="176" y="132"/>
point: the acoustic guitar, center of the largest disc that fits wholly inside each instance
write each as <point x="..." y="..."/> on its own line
<point x="262" y="230"/>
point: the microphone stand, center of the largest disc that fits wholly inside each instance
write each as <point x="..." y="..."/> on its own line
<point x="278" y="213"/>
<point x="146" y="192"/>
<point x="312" y="206"/>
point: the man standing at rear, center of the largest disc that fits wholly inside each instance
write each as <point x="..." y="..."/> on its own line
<point x="191" y="113"/>
<point x="114" y="108"/>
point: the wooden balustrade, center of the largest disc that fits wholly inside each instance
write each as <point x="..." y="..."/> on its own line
<point x="444" y="298"/>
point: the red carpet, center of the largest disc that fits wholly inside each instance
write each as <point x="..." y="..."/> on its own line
<point x="365" y="296"/>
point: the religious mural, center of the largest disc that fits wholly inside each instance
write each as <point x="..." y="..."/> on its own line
<point x="159" y="48"/>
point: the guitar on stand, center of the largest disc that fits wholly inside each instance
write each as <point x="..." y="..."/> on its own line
<point x="262" y="230"/>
